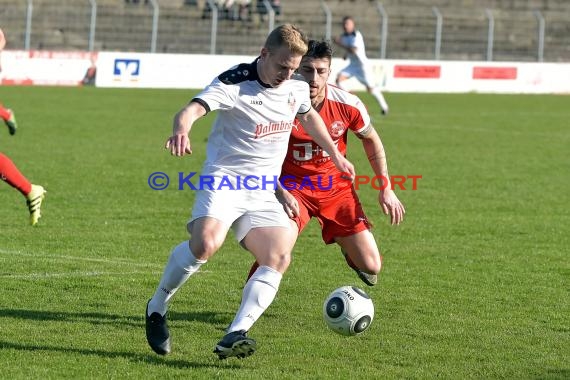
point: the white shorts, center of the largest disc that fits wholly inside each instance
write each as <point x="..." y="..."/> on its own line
<point x="360" y="72"/>
<point x="240" y="210"/>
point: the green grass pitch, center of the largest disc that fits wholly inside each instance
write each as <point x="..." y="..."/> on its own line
<point x="476" y="281"/>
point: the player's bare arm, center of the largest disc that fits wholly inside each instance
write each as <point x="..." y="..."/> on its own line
<point x="316" y="128"/>
<point x="349" y="49"/>
<point x="376" y="154"/>
<point x="179" y="142"/>
<point x="288" y="201"/>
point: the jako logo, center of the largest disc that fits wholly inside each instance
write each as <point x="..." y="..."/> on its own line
<point x="126" y="69"/>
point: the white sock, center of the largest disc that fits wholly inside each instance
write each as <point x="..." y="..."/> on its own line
<point x="258" y="294"/>
<point x="380" y="98"/>
<point x="181" y="265"/>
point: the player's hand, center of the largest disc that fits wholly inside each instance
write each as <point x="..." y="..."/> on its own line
<point x="345" y="167"/>
<point x="391" y="206"/>
<point x="289" y="203"/>
<point x="179" y="144"/>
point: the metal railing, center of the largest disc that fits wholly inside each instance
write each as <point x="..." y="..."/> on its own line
<point x="328" y="22"/>
<point x="438" y="31"/>
<point x="92" y="24"/>
<point x="490" y="34"/>
<point x="384" y="30"/>
<point x="101" y="29"/>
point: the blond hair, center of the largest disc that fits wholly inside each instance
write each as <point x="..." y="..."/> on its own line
<point x="290" y="36"/>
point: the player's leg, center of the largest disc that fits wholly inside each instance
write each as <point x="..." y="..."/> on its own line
<point x="366" y="78"/>
<point x="375" y="91"/>
<point x="9" y="118"/>
<point x="343" y="221"/>
<point x="362" y="254"/>
<point x="255" y="265"/>
<point x="34" y="193"/>
<point x="344" y="75"/>
<point x="298" y="223"/>
<point x="271" y="247"/>
<point x="270" y="239"/>
<point x="208" y="233"/>
<point x="11" y="175"/>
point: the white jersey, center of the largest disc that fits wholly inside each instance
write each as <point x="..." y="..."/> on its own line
<point x="251" y="131"/>
<point x="355" y="40"/>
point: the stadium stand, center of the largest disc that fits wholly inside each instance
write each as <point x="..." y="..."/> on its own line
<point x="182" y="27"/>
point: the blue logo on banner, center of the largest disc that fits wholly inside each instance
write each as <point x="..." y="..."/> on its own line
<point x="126" y="68"/>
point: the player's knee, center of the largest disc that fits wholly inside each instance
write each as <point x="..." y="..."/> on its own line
<point x="376" y="267"/>
<point x="277" y="260"/>
<point x="204" y="247"/>
<point x="283" y="261"/>
<point x="373" y="264"/>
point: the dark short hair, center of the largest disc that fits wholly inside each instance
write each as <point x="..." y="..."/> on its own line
<point x="319" y="50"/>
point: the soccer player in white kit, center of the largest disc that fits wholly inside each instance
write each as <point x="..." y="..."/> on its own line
<point x="257" y="104"/>
<point x="353" y="43"/>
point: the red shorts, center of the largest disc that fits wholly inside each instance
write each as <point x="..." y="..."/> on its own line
<point x="338" y="211"/>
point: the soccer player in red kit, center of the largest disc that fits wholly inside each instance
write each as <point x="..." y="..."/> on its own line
<point x="9" y="172"/>
<point x="6" y="114"/>
<point x="311" y="186"/>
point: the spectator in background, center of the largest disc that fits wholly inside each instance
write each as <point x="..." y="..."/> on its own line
<point x="91" y="73"/>
<point x="275" y="4"/>
<point x="229" y="9"/>
<point x="244" y="7"/>
<point x="353" y="44"/>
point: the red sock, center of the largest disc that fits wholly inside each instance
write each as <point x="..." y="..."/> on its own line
<point x="4" y="113"/>
<point x="10" y="173"/>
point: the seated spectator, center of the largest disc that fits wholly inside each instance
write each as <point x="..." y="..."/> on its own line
<point x="229" y="9"/>
<point x="275" y="4"/>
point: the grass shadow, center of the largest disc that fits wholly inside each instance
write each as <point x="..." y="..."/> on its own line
<point x="146" y="358"/>
<point x="219" y="319"/>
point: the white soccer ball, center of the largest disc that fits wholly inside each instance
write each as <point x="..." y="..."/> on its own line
<point x="348" y="310"/>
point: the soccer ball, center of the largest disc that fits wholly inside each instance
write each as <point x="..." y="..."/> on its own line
<point x="348" y="310"/>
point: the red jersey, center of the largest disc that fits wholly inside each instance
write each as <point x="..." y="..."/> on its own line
<point x="305" y="160"/>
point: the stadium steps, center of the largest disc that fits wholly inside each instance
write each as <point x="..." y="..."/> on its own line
<point x="64" y="25"/>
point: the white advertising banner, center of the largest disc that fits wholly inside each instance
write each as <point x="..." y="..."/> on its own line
<point x="53" y="68"/>
<point x="162" y="70"/>
<point x="197" y="71"/>
<point x="145" y="70"/>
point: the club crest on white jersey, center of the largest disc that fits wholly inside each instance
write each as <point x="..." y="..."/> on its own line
<point x="254" y="120"/>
